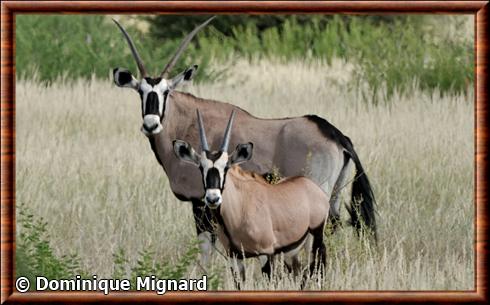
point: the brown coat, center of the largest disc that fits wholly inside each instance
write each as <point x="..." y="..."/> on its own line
<point x="261" y="218"/>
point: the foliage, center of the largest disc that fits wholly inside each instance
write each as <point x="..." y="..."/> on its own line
<point x="274" y="176"/>
<point x="392" y="52"/>
<point x="395" y="59"/>
<point x="175" y="26"/>
<point x="34" y="254"/>
<point x="50" y="46"/>
<point x="215" y="278"/>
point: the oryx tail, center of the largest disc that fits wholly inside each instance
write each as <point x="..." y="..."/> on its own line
<point x="362" y="209"/>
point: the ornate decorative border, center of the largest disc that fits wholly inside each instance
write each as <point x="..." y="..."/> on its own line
<point x="10" y="8"/>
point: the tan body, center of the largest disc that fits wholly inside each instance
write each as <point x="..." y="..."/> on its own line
<point x="261" y="218"/>
<point x="257" y="218"/>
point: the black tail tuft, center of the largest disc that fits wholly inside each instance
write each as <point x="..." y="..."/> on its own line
<point x="363" y="205"/>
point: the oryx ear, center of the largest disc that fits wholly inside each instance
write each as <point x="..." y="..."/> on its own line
<point x="185" y="76"/>
<point x="124" y="78"/>
<point x="242" y="153"/>
<point x="185" y="152"/>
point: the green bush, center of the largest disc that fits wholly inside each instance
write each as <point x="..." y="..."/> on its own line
<point x="50" y="46"/>
<point x="404" y="54"/>
<point x="33" y="254"/>
<point x="390" y="53"/>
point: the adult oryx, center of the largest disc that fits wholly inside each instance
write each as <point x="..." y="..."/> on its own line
<point x="301" y="146"/>
<point x="257" y="218"/>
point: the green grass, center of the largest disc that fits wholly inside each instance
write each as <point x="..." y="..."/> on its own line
<point x="428" y="52"/>
<point x="83" y="166"/>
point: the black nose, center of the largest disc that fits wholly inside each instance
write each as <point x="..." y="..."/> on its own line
<point x="212" y="200"/>
<point x="150" y="128"/>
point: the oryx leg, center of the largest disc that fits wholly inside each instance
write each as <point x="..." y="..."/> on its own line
<point x="291" y="258"/>
<point x="319" y="250"/>
<point x="293" y="265"/>
<point x="266" y="263"/>
<point x="341" y="183"/>
<point x="205" y="230"/>
<point x="318" y="254"/>
<point x="237" y="268"/>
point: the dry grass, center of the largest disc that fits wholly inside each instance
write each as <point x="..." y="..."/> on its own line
<point x="84" y="166"/>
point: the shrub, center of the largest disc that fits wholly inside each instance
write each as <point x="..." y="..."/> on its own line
<point x="34" y="256"/>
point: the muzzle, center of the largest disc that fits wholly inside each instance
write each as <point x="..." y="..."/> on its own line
<point x="213" y="198"/>
<point x="151" y="124"/>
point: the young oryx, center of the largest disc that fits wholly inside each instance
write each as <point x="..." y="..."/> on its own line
<point x="257" y="218"/>
<point x="301" y="146"/>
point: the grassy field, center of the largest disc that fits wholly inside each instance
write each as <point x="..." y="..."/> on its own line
<point x="87" y="170"/>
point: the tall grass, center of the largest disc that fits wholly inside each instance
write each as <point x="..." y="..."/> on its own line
<point x="388" y="56"/>
<point x="86" y="169"/>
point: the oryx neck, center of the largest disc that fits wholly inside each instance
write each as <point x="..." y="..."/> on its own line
<point x="235" y="207"/>
<point x="181" y="123"/>
<point x="176" y="125"/>
<point x="232" y="209"/>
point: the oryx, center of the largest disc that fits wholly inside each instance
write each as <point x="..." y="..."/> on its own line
<point x="257" y="218"/>
<point x="308" y="145"/>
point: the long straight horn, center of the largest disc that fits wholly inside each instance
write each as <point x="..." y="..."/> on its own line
<point x="226" y="137"/>
<point x="136" y="56"/>
<point x="202" y="133"/>
<point x="166" y="71"/>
